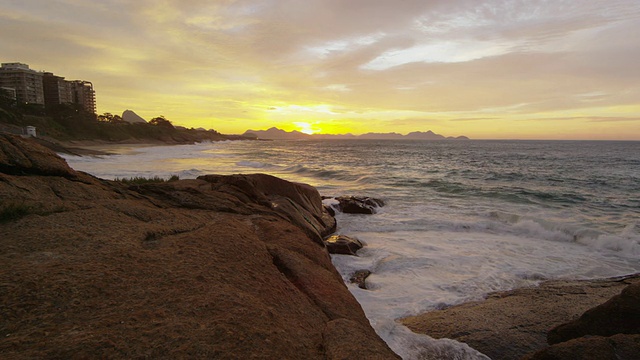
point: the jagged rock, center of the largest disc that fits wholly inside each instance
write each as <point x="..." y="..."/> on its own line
<point x="621" y="314"/>
<point x="342" y="244"/>
<point x="299" y="203"/>
<point x="359" y="278"/>
<point x="616" y="347"/>
<point x="359" y="204"/>
<point x="208" y="268"/>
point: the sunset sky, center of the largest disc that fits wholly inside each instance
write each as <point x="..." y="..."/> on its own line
<point x="485" y="69"/>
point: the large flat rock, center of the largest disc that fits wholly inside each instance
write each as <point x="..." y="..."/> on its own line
<point x="509" y="325"/>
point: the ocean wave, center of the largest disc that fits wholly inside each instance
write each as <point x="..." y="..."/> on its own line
<point x="255" y="164"/>
<point x="627" y="242"/>
<point x="328" y="174"/>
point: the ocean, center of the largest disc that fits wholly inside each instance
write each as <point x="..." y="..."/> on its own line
<point x="463" y="218"/>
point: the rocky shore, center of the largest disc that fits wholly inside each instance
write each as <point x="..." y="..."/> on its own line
<point x="594" y="319"/>
<point x="236" y="267"/>
<point x="225" y="267"/>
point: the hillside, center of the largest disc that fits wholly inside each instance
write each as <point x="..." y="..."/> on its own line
<point x="68" y="124"/>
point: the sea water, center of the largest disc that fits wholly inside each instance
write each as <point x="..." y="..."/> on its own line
<point x="463" y="218"/>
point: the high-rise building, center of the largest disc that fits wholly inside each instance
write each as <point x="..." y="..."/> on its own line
<point x="56" y="90"/>
<point x="27" y="83"/>
<point x="83" y="94"/>
<point x="33" y="87"/>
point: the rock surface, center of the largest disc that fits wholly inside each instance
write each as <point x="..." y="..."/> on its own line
<point x="621" y="314"/>
<point x="359" y="278"/>
<point x="616" y="347"/>
<point x="217" y="267"/>
<point x="359" y="204"/>
<point x="342" y="244"/>
<point x="512" y="324"/>
<point x="607" y="331"/>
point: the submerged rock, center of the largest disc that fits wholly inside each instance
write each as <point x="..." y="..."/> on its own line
<point x="359" y="278"/>
<point x="359" y="204"/>
<point x="342" y="244"/>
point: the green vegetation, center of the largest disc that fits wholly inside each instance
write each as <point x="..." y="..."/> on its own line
<point x="13" y="211"/>
<point x="139" y="180"/>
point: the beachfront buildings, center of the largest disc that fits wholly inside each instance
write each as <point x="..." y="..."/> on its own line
<point x="45" y="88"/>
<point x="84" y="95"/>
<point x="26" y="83"/>
<point x="56" y="90"/>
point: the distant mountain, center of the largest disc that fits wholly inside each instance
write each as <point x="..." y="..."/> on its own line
<point x="382" y="136"/>
<point x="132" y="118"/>
<point x="277" y="134"/>
<point x="429" y="135"/>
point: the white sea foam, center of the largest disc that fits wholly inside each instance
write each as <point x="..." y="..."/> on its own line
<point x="425" y="261"/>
<point x="253" y="164"/>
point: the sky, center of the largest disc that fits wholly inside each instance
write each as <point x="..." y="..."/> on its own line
<point x="493" y="69"/>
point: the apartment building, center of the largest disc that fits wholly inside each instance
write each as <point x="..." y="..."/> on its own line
<point x="56" y="90"/>
<point x="26" y="83"/>
<point x="83" y="94"/>
<point x="45" y="88"/>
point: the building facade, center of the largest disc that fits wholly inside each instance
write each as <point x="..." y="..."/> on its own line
<point x="26" y="83"/>
<point x="45" y="88"/>
<point x="84" y="95"/>
<point x="56" y="90"/>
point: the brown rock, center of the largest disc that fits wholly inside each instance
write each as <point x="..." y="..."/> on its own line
<point x="342" y="244"/>
<point x="360" y="277"/>
<point x="300" y="204"/>
<point x="359" y="204"/>
<point x="511" y="324"/>
<point x="617" y="347"/>
<point x="187" y="269"/>
<point x="621" y="314"/>
<point x="342" y="342"/>
<point x="21" y="156"/>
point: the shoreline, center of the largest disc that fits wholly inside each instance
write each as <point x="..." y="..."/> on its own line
<point x="215" y="267"/>
<point x="102" y="147"/>
<point x="159" y="201"/>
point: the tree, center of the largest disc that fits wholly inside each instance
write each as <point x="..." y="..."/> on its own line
<point x="110" y="118"/>
<point x="162" y="122"/>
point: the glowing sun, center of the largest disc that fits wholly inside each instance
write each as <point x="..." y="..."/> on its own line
<point x="304" y="127"/>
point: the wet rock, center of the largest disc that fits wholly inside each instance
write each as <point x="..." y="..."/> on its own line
<point x="359" y="204"/>
<point x="359" y="278"/>
<point x="342" y="244"/>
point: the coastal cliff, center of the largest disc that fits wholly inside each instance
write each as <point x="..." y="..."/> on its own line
<point x="216" y="267"/>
